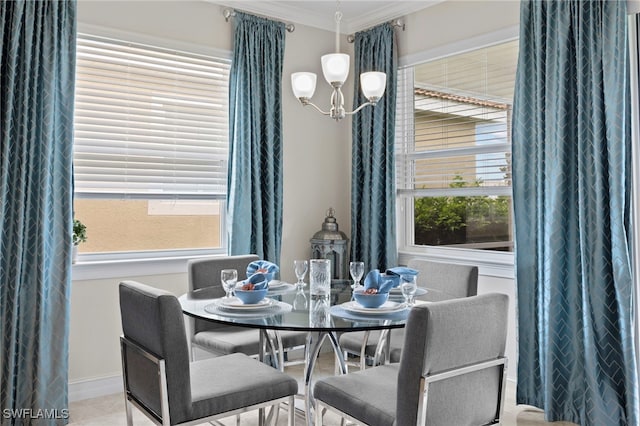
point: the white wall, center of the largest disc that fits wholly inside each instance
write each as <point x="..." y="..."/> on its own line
<point x="316" y="152"/>
<point x="453" y="23"/>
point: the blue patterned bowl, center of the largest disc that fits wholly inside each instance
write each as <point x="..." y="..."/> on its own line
<point x="370" y="300"/>
<point x="250" y="297"/>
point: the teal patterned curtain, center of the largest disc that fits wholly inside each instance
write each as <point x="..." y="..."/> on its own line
<point x="571" y="186"/>
<point x="254" y="200"/>
<point x="37" y="72"/>
<point x="373" y="208"/>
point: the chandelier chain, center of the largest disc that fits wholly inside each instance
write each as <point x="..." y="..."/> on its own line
<point x="338" y="19"/>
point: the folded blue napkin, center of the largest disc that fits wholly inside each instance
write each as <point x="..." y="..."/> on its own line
<point x="259" y="281"/>
<point x="375" y="279"/>
<point x="401" y="270"/>
<point x="270" y="270"/>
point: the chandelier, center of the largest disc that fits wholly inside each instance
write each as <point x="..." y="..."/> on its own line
<point x="335" y="67"/>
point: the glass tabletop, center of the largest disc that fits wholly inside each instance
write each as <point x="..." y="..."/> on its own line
<point x="286" y="311"/>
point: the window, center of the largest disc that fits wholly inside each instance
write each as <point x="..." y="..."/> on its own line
<point x="453" y="150"/>
<point x="151" y="147"/>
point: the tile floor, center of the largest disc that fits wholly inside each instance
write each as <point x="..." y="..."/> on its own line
<point x="109" y="410"/>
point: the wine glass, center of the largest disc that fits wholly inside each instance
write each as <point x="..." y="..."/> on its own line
<point x="408" y="286"/>
<point x="300" y="302"/>
<point x="229" y="278"/>
<point x="357" y="271"/>
<point x="301" y="267"/>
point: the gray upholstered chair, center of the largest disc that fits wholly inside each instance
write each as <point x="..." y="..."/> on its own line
<point x="452" y="370"/>
<point x="444" y="281"/>
<point x="221" y="339"/>
<point x="165" y="386"/>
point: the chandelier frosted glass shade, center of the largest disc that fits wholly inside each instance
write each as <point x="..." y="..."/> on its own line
<point x="335" y="67"/>
<point x="303" y="84"/>
<point x="373" y="84"/>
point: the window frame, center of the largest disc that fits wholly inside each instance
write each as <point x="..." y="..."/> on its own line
<point x="490" y="263"/>
<point x="152" y="262"/>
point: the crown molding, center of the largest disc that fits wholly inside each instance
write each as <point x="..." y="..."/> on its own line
<point x="386" y="13"/>
<point x="301" y="15"/>
<point x="272" y="9"/>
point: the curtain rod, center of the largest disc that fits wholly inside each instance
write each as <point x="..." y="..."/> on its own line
<point x="230" y="13"/>
<point x="398" y="23"/>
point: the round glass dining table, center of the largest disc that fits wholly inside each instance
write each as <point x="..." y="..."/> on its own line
<point x="293" y="308"/>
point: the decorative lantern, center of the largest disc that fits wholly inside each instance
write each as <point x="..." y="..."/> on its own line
<point x="331" y="243"/>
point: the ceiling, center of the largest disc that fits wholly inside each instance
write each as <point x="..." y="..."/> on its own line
<point x="357" y="14"/>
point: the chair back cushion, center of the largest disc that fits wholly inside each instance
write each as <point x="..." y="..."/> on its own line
<point x="445" y="335"/>
<point x="153" y="319"/>
<point x="205" y="272"/>
<point x="452" y="279"/>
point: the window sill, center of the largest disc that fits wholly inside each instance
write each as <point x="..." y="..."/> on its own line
<point x="489" y="263"/>
<point x="91" y="267"/>
<point x="494" y="264"/>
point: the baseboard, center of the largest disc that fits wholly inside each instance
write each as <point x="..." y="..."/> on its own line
<point x="95" y="388"/>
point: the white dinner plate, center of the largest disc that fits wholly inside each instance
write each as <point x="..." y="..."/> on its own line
<point x="280" y="289"/>
<point x="233" y="303"/>
<point x="235" y="312"/>
<point x="387" y="307"/>
<point x="276" y="284"/>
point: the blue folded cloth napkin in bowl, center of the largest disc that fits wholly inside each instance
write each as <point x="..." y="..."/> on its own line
<point x="259" y="281"/>
<point x="381" y="282"/>
<point x="268" y="269"/>
<point x="401" y="270"/>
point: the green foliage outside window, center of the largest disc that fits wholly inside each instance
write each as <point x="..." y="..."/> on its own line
<point x="79" y="232"/>
<point x="462" y="220"/>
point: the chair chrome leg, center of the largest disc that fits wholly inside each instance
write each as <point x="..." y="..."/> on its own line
<point x="318" y="414"/>
<point x="363" y="350"/>
<point x="292" y="411"/>
<point x="127" y="408"/>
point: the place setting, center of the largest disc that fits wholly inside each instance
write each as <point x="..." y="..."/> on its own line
<point x="250" y="296"/>
<point x="373" y="298"/>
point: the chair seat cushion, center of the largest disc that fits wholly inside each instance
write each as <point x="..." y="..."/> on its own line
<point x="229" y="340"/>
<point x="292" y="339"/>
<point x="369" y="395"/>
<point x="352" y="342"/>
<point x="221" y="384"/>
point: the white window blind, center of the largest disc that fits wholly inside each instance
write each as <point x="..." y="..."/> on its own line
<point x="149" y="122"/>
<point x="454" y="124"/>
